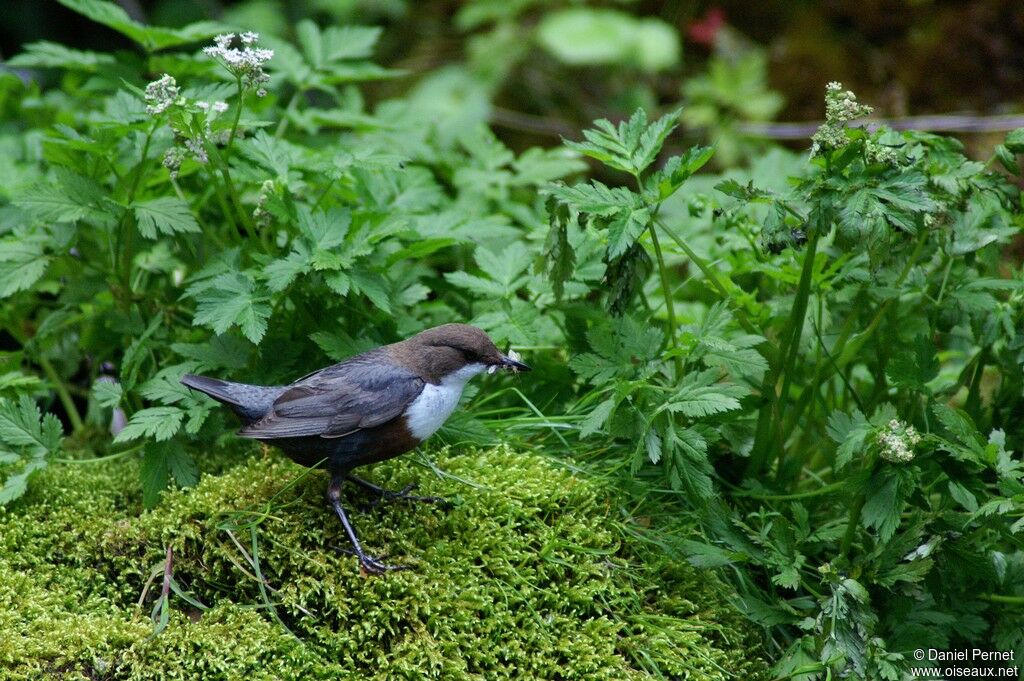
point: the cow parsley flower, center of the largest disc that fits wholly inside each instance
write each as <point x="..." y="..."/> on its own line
<point x="841" y="107"/>
<point x="245" y="63"/>
<point x="161" y="94"/>
<point x="897" y="442"/>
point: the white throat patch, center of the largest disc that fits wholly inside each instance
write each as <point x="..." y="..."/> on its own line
<point x="436" y="403"/>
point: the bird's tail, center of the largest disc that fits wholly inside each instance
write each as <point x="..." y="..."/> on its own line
<point x="250" y="402"/>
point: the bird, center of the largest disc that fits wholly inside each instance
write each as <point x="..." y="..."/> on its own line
<point x="368" y="408"/>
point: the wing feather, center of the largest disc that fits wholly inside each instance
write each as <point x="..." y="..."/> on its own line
<point x="363" y="392"/>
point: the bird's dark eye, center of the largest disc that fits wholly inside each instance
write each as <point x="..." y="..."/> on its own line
<point x="468" y="355"/>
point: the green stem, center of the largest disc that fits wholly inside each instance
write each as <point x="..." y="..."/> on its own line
<point x="62" y="393"/>
<point x="772" y="409"/>
<point x="827" y="489"/>
<point x="852" y="522"/>
<point x="709" y="274"/>
<point x="1000" y="598"/>
<point x="666" y="290"/>
<point x="234" y="124"/>
<point x="100" y="459"/>
<point x="289" y="109"/>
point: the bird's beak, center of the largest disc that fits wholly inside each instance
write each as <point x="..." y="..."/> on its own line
<point x="513" y="364"/>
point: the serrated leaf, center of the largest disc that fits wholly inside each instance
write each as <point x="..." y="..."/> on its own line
<point x="702" y="555"/>
<point x="153" y="474"/>
<point x="884" y="503"/>
<point x="74" y="197"/>
<point x="23" y="262"/>
<point x="699" y="401"/>
<point x="23" y="425"/>
<point x="849" y="431"/>
<point x="625" y="229"/>
<point x="45" y="54"/>
<point x="107" y="393"/>
<point x="160" y="423"/>
<point x="597" y="417"/>
<point x="233" y="299"/>
<point x="164" y="215"/>
<point x="150" y="37"/>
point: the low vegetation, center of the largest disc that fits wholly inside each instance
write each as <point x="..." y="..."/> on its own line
<point x="806" y="373"/>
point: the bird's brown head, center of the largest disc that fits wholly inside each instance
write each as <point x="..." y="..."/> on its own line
<point x="453" y="350"/>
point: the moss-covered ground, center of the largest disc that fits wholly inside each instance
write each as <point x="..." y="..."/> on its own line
<point x="531" y="575"/>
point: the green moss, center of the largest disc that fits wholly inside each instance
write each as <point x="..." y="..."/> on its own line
<point x="529" y="576"/>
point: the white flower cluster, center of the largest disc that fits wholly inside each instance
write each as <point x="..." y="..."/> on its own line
<point x="260" y="215"/>
<point x="841" y="107"/>
<point x="161" y="94"/>
<point x="215" y="107"/>
<point x="245" y="63"/>
<point x="897" y="442"/>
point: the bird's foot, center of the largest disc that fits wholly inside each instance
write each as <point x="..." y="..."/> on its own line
<point x="371" y="565"/>
<point x="404" y="494"/>
<point x="375" y="566"/>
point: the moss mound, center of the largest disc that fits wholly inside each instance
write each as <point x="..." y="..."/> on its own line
<point x="529" y="576"/>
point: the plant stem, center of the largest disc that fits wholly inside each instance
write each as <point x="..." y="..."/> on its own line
<point x="827" y="489"/>
<point x="666" y="291"/>
<point x="289" y="109"/>
<point x="234" y="124"/>
<point x="62" y="393"/>
<point x="710" y="274"/>
<point x="773" y="408"/>
<point x="1000" y="598"/>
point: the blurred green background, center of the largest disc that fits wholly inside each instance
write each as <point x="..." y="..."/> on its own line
<point x="904" y="56"/>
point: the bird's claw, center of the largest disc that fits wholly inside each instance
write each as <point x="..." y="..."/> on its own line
<point x="374" y="566"/>
<point x="404" y="494"/>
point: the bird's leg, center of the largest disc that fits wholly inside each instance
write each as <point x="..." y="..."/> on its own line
<point x="402" y="494"/>
<point x="368" y="563"/>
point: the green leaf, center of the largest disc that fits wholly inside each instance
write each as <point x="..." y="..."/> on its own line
<point x="153" y="474"/>
<point x="698" y="401"/>
<point x="702" y="555"/>
<point x="233" y="299"/>
<point x="849" y="432"/>
<point x="963" y="496"/>
<point x="960" y="425"/>
<point x="44" y="54"/>
<point x="678" y="169"/>
<point x="107" y="393"/>
<point x="166" y="215"/>
<point x="884" y="503"/>
<point x="1015" y="141"/>
<point x="152" y="38"/>
<point x="160" y="423"/>
<point x="74" y="197"/>
<point x="595" y="36"/>
<point x="689" y="468"/>
<point x="596" y="198"/>
<point x="23" y="261"/>
<point x="624" y="230"/>
<point x="596" y="418"/>
<point x="22" y="425"/>
<point x="915" y="367"/>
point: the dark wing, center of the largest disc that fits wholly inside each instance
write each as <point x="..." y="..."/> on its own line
<point x="362" y="392"/>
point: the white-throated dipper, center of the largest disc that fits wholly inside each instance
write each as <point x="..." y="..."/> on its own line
<point x="369" y="408"/>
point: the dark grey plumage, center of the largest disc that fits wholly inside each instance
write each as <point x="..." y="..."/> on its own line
<point x="358" y="411"/>
<point x="363" y="392"/>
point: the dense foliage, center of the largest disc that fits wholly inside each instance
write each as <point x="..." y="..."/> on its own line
<point x="820" y="361"/>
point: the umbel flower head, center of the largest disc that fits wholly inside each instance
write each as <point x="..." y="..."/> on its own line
<point x="245" y="63"/>
<point x="897" y="442"/>
<point x="161" y="94"/>
<point x="841" y="107"/>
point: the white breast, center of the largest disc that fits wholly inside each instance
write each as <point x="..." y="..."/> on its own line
<point x="435" y="404"/>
